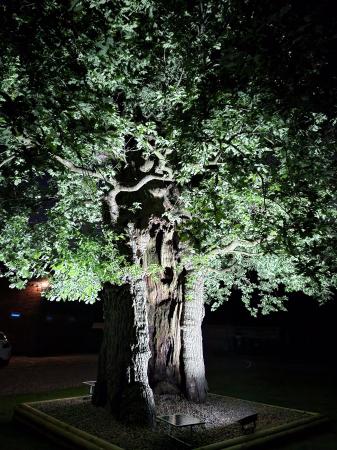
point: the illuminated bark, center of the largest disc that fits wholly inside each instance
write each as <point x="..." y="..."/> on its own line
<point x="192" y="349"/>
<point x="152" y="334"/>
<point x="122" y="383"/>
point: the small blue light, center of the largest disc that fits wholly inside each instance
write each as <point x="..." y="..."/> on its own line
<point x="15" y="315"/>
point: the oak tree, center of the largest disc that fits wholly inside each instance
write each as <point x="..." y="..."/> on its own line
<point x="156" y="154"/>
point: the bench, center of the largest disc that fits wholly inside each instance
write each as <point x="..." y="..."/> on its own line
<point x="91" y="384"/>
<point x="248" y="423"/>
<point x="179" y="421"/>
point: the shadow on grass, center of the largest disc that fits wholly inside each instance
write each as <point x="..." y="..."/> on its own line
<point x="14" y="436"/>
<point x="308" y="386"/>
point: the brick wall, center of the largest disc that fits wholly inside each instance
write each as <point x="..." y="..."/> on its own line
<point x="46" y="327"/>
<point x="22" y="330"/>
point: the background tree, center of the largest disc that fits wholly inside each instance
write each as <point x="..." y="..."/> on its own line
<point x="158" y="154"/>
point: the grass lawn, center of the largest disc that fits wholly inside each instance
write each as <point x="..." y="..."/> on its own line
<point x="15" y="437"/>
<point x="295" y="386"/>
<point x="299" y="386"/>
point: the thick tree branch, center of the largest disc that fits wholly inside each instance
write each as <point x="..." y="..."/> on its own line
<point x="85" y="172"/>
<point x="6" y="161"/>
<point x="111" y="197"/>
<point x="142" y="183"/>
<point x="162" y="166"/>
<point x="147" y="166"/>
<point x="242" y="253"/>
<point x="230" y="248"/>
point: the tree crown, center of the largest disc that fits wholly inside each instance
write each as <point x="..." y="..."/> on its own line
<point x="124" y="103"/>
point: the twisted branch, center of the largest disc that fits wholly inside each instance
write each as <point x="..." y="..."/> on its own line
<point x="82" y="171"/>
<point x="111" y="197"/>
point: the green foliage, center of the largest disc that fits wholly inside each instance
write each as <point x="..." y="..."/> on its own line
<point x="77" y="264"/>
<point x="247" y="132"/>
<point x="80" y="272"/>
<point x="263" y="281"/>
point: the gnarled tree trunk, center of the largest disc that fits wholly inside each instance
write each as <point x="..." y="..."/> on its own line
<point x="165" y="302"/>
<point x="152" y="331"/>
<point x="122" y="382"/>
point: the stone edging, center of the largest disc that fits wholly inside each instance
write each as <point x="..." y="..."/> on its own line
<point x="71" y="436"/>
<point x="57" y="429"/>
<point x="270" y="434"/>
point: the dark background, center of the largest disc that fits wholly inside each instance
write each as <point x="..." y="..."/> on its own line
<point x="47" y="328"/>
<point x="306" y="331"/>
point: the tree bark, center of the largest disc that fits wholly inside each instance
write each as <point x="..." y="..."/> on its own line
<point x="122" y="382"/>
<point x="152" y="331"/>
<point x="165" y="301"/>
<point x="192" y="349"/>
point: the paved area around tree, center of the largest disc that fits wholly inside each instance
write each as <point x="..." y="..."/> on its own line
<point x="40" y="374"/>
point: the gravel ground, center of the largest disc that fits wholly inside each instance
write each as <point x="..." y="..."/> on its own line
<point x="220" y="414"/>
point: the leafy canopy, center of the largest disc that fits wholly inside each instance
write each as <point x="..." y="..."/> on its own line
<point x="231" y="102"/>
